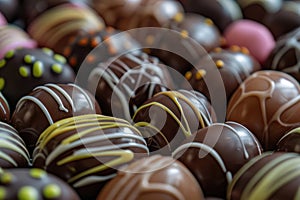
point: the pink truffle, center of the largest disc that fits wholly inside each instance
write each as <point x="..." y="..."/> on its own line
<point x="2" y="20"/>
<point x="252" y="35"/>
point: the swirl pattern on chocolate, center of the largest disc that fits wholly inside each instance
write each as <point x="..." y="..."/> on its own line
<point x="266" y="103"/>
<point x="4" y="109"/>
<point x="87" y="150"/>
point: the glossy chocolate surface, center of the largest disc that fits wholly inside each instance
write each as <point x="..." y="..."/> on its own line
<point x="4" y="109"/>
<point x="290" y="142"/>
<point x="215" y="153"/>
<point x="266" y="103"/>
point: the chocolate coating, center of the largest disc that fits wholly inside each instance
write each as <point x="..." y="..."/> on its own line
<point x="266" y="103"/>
<point x="167" y="118"/>
<point x="10" y="9"/>
<point x="156" y="177"/>
<point x="284" y="56"/>
<point x="269" y="176"/>
<point x="13" y="152"/>
<point x="33" y="184"/>
<point x="4" y="109"/>
<point x="47" y="104"/>
<point x="86" y="151"/>
<point x="290" y="142"/>
<point x="234" y="65"/>
<point x="21" y="70"/>
<point x="114" y="82"/>
<point x="215" y="153"/>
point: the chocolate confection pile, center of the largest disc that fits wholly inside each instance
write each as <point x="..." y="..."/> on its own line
<point x="149" y="99"/>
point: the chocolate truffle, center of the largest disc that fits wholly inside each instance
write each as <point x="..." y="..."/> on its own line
<point x="55" y="27"/>
<point x="215" y="153"/>
<point x="10" y="9"/>
<point x="86" y="151"/>
<point x="128" y="14"/>
<point x="156" y="177"/>
<point x="167" y="118"/>
<point x="47" y="104"/>
<point x="234" y="65"/>
<point x="21" y="70"/>
<point x="222" y="12"/>
<point x="269" y="176"/>
<point x="13" y="152"/>
<point x="267" y="103"/>
<point x="284" y="57"/>
<point x="290" y="142"/>
<point x="114" y="82"/>
<point x="33" y="184"/>
<point x="4" y="109"/>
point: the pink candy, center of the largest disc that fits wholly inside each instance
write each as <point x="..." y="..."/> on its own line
<point x="2" y="20"/>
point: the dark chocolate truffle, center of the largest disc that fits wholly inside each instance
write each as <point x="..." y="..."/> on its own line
<point x="215" y="153"/>
<point x="4" y="109"/>
<point x="13" y="152"/>
<point x="285" y="55"/>
<point x="86" y="151"/>
<point x="156" y="177"/>
<point x="21" y="70"/>
<point x="167" y="118"/>
<point x="269" y="176"/>
<point x="33" y="184"/>
<point x="114" y="82"/>
<point x="267" y="103"/>
<point x="48" y="104"/>
<point x="290" y="142"/>
<point x="234" y="65"/>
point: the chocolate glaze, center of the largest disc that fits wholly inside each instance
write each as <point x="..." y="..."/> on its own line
<point x="289" y="142"/>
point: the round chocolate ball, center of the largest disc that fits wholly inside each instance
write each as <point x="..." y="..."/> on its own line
<point x="268" y="176"/>
<point x="284" y="57"/>
<point x="10" y="9"/>
<point x="86" y="151"/>
<point x="234" y="65"/>
<point x="47" y="104"/>
<point x="13" y="152"/>
<point x="21" y="70"/>
<point x="32" y="184"/>
<point x="167" y="118"/>
<point x="4" y="109"/>
<point x="267" y="103"/>
<point x="156" y="177"/>
<point x="215" y="153"/>
<point x="290" y="142"/>
<point x="116" y="81"/>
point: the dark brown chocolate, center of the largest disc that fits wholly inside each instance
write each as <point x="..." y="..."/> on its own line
<point x="267" y="103"/>
<point x="290" y="142"/>
<point x="4" y="109"/>
<point x="10" y="9"/>
<point x="215" y="153"/>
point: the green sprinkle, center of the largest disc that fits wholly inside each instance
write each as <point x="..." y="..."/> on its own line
<point x="2" y="63"/>
<point x="2" y="83"/>
<point x="23" y="71"/>
<point x="29" y="59"/>
<point x="2" y="192"/>
<point x="47" y="51"/>
<point x="6" y="178"/>
<point x="37" y="173"/>
<point x="28" y="192"/>
<point x="57" y="68"/>
<point x="60" y="58"/>
<point x="9" y="54"/>
<point x="52" y="191"/>
<point x="38" y="69"/>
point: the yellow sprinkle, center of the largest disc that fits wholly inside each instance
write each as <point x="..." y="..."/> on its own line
<point x="48" y="51"/>
<point x="178" y="17"/>
<point x="219" y="63"/>
<point x="2" y="63"/>
<point x="38" y="69"/>
<point x="60" y="58"/>
<point x="150" y="39"/>
<point x="188" y="75"/>
<point x="2" y="83"/>
<point x="208" y="22"/>
<point x="184" y="34"/>
<point x="52" y="191"/>
<point x="57" y="68"/>
<point x="200" y="74"/>
<point x="9" y="54"/>
<point x="28" y="192"/>
<point x="6" y="178"/>
<point x="28" y="59"/>
<point x="235" y="48"/>
<point x="23" y="71"/>
<point x="2" y="192"/>
<point x="37" y="173"/>
<point x="244" y="50"/>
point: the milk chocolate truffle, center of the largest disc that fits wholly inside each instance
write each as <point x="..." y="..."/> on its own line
<point x="156" y="177"/>
<point x="215" y="153"/>
<point x="222" y="12"/>
<point x="48" y="104"/>
<point x="55" y="27"/>
<point x="167" y="118"/>
<point x="290" y="142"/>
<point x="128" y="14"/>
<point x="284" y="57"/>
<point x="21" y="70"/>
<point x="234" y="65"/>
<point x="269" y="176"/>
<point x="13" y="152"/>
<point x="86" y="151"/>
<point x="114" y="82"/>
<point x="4" y="109"/>
<point x="34" y="184"/>
<point x="266" y="103"/>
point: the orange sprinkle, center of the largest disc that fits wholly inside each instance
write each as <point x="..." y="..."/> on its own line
<point x="73" y="61"/>
<point x="110" y="29"/>
<point x="90" y="58"/>
<point x="178" y="17"/>
<point x="219" y="63"/>
<point x="235" y="48"/>
<point x="95" y="41"/>
<point x="218" y="50"/>
<point x="244" y="50"/>
<point x="209" y="22"/>
<point x="83" y="42"/>
<point x="67" y="51"/>
<point x="188" y="75"/>
<point x="200" y="74"/>
<point x="184" y="34"/>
